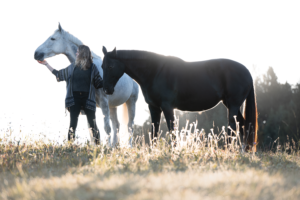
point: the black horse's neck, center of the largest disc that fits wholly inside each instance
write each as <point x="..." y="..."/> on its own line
<point x="135" y="71"/>
<point x="138" y="65"/>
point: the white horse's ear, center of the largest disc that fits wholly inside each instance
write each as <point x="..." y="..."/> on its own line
<point x="59" y="27"/>
<point x="104" y="50"/>
<point x="114" y="52"/>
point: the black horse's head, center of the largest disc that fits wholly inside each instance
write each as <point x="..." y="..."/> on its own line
<point x="113" y="69"/>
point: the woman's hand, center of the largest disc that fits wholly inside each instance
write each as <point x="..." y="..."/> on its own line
<point x="44" y="62"/>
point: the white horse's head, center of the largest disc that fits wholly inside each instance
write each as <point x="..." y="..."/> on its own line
<point x="58" y="43"/>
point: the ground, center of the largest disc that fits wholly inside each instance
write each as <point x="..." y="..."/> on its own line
<point x="191" y="170"/>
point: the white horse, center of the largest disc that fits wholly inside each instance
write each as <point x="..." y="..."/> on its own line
<point x="126" y="90"/>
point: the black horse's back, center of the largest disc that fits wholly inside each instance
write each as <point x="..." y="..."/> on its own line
<point x="198" y="86"/>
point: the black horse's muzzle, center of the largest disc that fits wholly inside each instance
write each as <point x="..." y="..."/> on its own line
<point x="39" y="56"/>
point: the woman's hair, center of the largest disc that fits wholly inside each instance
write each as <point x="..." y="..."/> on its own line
<point x="84" y="59"/>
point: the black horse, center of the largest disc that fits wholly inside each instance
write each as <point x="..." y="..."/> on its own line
<point x="170" y="83"/>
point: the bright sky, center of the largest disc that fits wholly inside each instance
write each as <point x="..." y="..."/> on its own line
<point x="256" y="33"/>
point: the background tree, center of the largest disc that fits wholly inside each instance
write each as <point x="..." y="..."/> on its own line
<point x="277" y="110"/>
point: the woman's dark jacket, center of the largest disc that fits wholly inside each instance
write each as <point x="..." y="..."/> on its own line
<point x="67" y="75"/>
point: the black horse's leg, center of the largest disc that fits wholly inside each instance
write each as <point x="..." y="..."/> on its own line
<point x="232" y="111"/>
<point x="169" y="115"/>
<point x="241" y="121"/>
<point x="155" y="117"/>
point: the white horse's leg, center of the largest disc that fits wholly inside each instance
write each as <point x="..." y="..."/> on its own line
<point x="102" y="102"/>
<point x="115" y="124"/>
<point x="131" y="108"/>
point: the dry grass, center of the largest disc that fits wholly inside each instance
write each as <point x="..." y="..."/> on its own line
<point x="190" y="171"/>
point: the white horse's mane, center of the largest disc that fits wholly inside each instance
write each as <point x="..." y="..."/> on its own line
<point x="76" y="41"/>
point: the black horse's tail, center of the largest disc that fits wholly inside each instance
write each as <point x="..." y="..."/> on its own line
<point x="250" y="116"/>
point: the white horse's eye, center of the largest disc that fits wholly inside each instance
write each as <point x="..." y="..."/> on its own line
<point x="52" y="38"/>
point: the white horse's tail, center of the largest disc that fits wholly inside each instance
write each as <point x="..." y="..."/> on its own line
<point x="124" y="134"/>
<point x="125" y="115"/>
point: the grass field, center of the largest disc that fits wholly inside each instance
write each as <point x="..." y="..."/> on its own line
<point x="36" y="170"/>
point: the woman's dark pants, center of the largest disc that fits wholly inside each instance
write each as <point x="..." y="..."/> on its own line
<point x="80" y="100"/>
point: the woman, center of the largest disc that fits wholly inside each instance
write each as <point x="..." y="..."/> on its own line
<point x="82" y="79"/>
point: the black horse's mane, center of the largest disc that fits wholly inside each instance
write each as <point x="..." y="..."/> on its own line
<point x="135" y="55"/>
<point x="141" y="55"/>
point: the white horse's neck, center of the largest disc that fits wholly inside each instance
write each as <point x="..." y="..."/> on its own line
<point x="73" y="46"/>
<point x="70" y="57"/>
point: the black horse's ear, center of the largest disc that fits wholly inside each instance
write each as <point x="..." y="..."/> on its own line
<point x="59" y="27"/>
<point x="104" y="50"/>
<point x="114" y="52"/>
